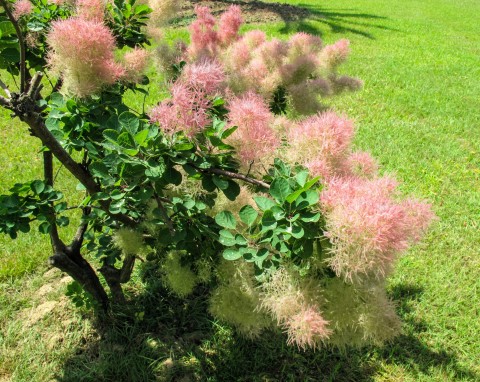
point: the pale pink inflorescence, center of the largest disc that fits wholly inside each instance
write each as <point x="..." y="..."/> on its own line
<point x="362" y="164"/>
<point x="203" y="36"/>
<point x="307" y="328"/>
<point x="229" y="25"/>
<point x="367" y="227"/>
<point x="93" y="10"/>
<point x="136" y="61"/>
<point x="334" y="55"/>
<point x="254" y="137"/>
<point x="321" y="143"/>
<point x="22" y="8"/>
<point x="187" y="109"/>
<point x="82" y="51"/>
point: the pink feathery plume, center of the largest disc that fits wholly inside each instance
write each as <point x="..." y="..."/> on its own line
<point x="229" y="24"/>
<point x="22" y="8"/>
<point x="307" y="328"/>
<point x="254" y="137"/>
<point x="204" y="38"/>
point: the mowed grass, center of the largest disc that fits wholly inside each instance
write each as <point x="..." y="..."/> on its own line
<point x="417" y="113"/>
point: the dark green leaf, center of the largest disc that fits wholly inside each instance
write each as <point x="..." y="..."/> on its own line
<point x="280" y="189"/>
<point x="232" y="191"/>
<point x="129" y="121"/>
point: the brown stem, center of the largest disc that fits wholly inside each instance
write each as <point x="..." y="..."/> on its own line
<point x="21" y="44"/>
<point x="80" y="270"/>
<point x="5" y="103"/>
<point x="234" y="175"/>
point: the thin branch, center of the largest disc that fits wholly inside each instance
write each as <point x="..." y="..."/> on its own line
<point x="77" y="241"/>
<point x="5" y="103"/>
<point x="21" y="43"/>
<point x="5" y="89"/>
<point x="35" y="84"/>
<point x="234" y="175"/>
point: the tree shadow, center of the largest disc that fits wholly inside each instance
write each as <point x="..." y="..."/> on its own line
<point x="297" y="18"/>
<point x="159" y="337"/>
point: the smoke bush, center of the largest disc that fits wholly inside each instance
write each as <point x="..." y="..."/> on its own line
<point x="304" y="244"/>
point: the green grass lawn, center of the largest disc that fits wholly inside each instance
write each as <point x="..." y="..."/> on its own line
<point x="418" y="113"/>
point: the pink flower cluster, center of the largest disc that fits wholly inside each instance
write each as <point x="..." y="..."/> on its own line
<point x="307" y="328"/>
<point x="205" y="39"/>
<point x="82" y="52"/>
<point x="253" y="63"/>
<point x="93" y="10"/>
<point x="321" y="143"/>
<point x="254" y="137"/>
<point x="368" y="227"/>
<point x="187" y="109"/>
<point x="22" y="8"/>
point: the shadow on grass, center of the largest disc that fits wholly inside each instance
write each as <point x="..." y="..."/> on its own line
<point x="163" y="338"/>
<point x="297" y="18"/>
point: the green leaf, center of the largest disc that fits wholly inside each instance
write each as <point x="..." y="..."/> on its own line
<point x="129" y="121"/>
<point x="141" y="136"/>
<point x="226" y="238"/>
<point x="240" y="240"/>
<point x="280" y="189"/>
<point x="226" y="219"/>
<point x="310" y="217"/>
<point x="248" y="215"/>
<point x="207" y="183"/>
<point x="37" y="186"/>
<point x="99" y="170"/>
<point x="6" y="28"/>
<point x="63" y="221"/>
<point x="264" y="203"/>
<point x="44" y="228"/>
<point x="231" y="254"/>
<point x="301" y="178"/>
<point x="172" y="176"/>
<point x="296" y="231"/>
<point x="232" y="191"/>
<point x="183" y="146"/>
<point x="222" y="184"/>
<point x="111" y="135"/>
<point x="229" y="132"/>
<point x="156" y="168"/>
<point x="11" y="55"/>
<point x="268" y="220"/>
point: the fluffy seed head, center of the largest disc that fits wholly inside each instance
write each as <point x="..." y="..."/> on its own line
<point x="22" y="8"/>
<point x="136" y="62"/>
<point x="362" y="164"/>
<point x="204" y="38"/>
<point x="128" y="240"/>
<point x="229" y="25"/>
<point x="321" y="142"/>
<point x="307" y="328"/>
<point x="93" y="10"/>
<point x="367" y="227"/>
<point x="180" y="279"/>
<point x="254" y="138"/>
<point x="82" y="52"/>
<point x="334" y="55"/>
